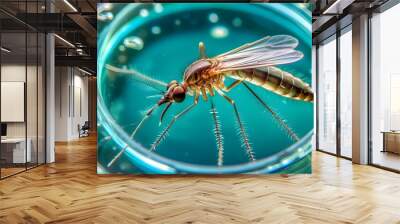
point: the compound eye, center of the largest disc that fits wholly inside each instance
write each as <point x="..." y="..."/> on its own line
<point x="179" y="94"/>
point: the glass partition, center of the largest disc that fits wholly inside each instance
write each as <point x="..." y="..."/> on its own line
<point x="13" y="105"/>
<point x="31" y="100"/>
<point x="385" y="89"/>
<point x="346" y="93"/>
<point x="41" y="96"/>
<point x="22" y="77"/>
<point x="327" y="96"/>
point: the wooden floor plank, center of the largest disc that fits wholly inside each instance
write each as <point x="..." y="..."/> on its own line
<point x="70" y="191"/>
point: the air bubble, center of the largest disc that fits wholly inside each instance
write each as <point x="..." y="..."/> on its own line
<point x="121" y="48"/>
<point x="104" y="7"/>
<point x="125" y="166"/>
<point x="144" y="12"/>
<point x="102" y="12"/>
<point x="213" y="17"/>
<point x="158" y="8"/>
<point x="156" y="30"/>
<point x="237" y="22"/>
<point x="219" y="32"/>
<point x="134" y="43"/>
<point x="104" y="16"/>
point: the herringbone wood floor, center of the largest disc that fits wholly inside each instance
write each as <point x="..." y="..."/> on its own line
<point x="69" y="191"/>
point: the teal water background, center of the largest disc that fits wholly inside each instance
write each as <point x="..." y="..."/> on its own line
<point x="170" y="38"/>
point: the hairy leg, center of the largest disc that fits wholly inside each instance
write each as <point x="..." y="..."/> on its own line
<point x="219" y="138"/>
<point x="243" y="133"/>
<point x="164" y="133"/>
<point x="280" y="121"/>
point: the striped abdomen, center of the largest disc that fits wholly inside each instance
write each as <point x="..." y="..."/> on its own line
<point x="277" y="81"/>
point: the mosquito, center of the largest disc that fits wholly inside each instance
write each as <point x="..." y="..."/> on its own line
<point x="252" y="63"/>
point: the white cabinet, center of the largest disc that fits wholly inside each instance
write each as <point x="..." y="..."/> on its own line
<point x="19" y="155"/>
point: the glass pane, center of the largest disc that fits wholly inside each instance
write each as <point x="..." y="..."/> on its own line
<point x="32" y="87"/>
<point x="31" y="100"/>
<point x="346" y="94"/>
<point x="22" y="89"/>
<point x="13" y="86"/>
<point x="386" y="89"/>
<point x="41" y="98"/>
<point x="327" y="97"/>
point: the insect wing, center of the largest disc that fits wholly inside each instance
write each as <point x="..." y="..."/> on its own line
<point x="268" y="51"/>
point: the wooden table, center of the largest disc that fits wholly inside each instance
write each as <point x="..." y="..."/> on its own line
<point x="391" y="141"/>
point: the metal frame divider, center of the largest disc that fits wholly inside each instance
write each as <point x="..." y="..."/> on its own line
<point x="0" y="92"/>
<point x="338" y="74"/>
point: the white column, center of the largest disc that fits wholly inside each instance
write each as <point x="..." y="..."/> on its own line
<point x="50" y="100"/>
<point x="360" y="90"/>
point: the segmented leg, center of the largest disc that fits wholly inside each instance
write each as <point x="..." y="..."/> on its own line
<point x="204" y="93"/>
<point x="277" y="118"/>
<point x="218" y="135"/>
<point x="242" y="130"/>
<point x="232" y="85"/>
<point x="164" y="133"/>
<point x="210" y="90"/>
<point x="119" y="154"/>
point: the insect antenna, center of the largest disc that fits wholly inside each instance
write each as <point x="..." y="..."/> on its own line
<point x="218" y="134"/>
<point x="151" y="82"/>
<point x="164" y="111"/>
<point x="277" y="118"/>
<point x="154" y="96"/>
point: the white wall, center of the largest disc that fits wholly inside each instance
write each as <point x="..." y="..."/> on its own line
<point x="33" y="127"/>
<point x="13" y="73"/>
<point x="61" y="103"/>
<point x="71" y="94"/>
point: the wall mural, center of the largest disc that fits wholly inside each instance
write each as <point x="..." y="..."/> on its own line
<point x="213" y="88"/>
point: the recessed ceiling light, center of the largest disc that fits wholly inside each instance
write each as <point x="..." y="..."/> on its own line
<point x="5" y="50"/>
<point x="70" y="5"/>
<point x="84" y="71"/>
<point x="65" y="41"/>
<point x="337" y="7"/>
